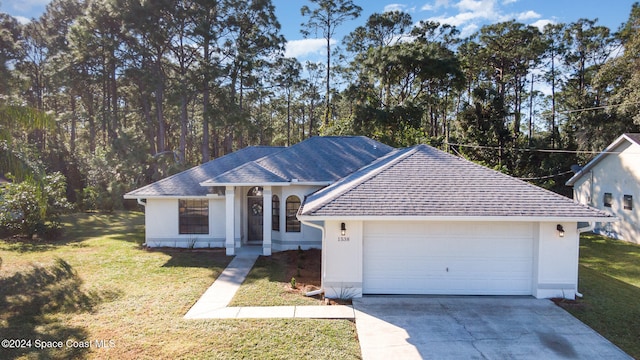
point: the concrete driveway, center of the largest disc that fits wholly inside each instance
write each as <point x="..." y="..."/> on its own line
<point x="470" y="327"/>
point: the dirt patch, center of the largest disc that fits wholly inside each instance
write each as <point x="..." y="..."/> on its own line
<point x="568" y="304"/>
<point x="305" y="266"/>
<point x="302" y="265"/>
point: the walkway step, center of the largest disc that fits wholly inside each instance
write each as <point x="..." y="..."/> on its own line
<point x="224" y="288"/>
<point x="278" y="312"/>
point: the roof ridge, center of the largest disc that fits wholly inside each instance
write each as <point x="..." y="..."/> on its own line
<point x="245" y="165"/>
<point x="506" y="176"/>
<point x="514" y="179"/>
<point x="281" y="149"/>
<point x="400" y="153"/>
<point x="332" y="139"/>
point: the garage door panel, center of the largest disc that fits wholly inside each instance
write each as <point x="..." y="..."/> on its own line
<point x="420" y="263"/>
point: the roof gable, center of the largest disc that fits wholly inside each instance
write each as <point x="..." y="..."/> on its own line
<point x="632" y="138"/>
<point x="187" y="183"/>
<point x="425" y="182"/>
<point x="319" y="159"/>
<point x="316" y="160"/>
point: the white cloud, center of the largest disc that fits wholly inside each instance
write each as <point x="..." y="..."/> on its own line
<point x="22" y="20"/>
<point x="305" y="47"/>
<point x="476" y="5"/>
<point x="394" y="7"/>
<point x="540" y="24"/>
<point x="469" y="30"/>
<point x="438" y="4"/>
<point x="472" y="14"/>
<point x="456" y="20"/>
<point x="528" y="15"/>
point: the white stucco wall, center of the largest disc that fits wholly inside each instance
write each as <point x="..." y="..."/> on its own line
<point x="342" y="259"/>
<point x="161" y="222"/>
<point x="618" y="174"/>
<point x="161" y="225"/>
<point x="553" y="266"/>
<point x="555" y="260"/>
<point x="308" y="237"/>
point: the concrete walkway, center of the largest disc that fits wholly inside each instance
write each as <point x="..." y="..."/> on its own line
<point x="277" y="312"/>
<point x="213" y="303"/>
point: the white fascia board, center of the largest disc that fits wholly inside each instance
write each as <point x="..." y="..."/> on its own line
<point x="206" y="183"/>
<point x="597" y="159"/>
<point x="307" y="183"/>
<point x="461" y="218"/>
<point x="165" y="196"/>
<point x="312" y="183"/>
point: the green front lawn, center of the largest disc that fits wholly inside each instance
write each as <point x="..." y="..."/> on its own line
<point x="99" y="287"/>
<point x="269" y="281"/>
<point x="609" y="279"/>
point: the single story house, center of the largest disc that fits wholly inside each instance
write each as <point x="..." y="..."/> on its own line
<point x="610" y="182"/>
<point x="389" y="221"/>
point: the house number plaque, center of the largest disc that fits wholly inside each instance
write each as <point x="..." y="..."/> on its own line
<point x="343" y="238"/>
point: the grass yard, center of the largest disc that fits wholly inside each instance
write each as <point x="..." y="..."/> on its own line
<point x="609" y="279"/>
<point x="269" y="281"/>
<point x="99" y="287"/>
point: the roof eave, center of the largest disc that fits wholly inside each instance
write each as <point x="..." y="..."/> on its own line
<point x="460" y="218"/>
<point x="597" y="159"/>
<point x="133" y="197"/>
<point x="283" y="183"/>
<point x="257" y="183"/>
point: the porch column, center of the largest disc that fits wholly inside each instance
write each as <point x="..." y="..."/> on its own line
<point x="266" y="220"/>
<point x="230" y="238"/>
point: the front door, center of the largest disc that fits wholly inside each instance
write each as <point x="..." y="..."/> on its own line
<point x="255" y="215"/>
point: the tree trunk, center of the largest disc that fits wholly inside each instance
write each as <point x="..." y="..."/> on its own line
<point x="327" y="109"/>
<point x="183" y="127"/>
<point x="205" y="106"/>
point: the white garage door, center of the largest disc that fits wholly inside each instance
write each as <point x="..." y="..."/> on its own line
<point x="447" y="258"/>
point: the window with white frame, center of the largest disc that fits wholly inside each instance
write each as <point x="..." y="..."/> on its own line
<point x="193" y="216"/>
<point x="628" y="202"/>
<point x="293" y="204"/>
<point x="607" y="199"/>
<point x="275" y="213"/>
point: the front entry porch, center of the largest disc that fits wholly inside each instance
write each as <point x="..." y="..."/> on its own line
<point x="256" y="218"/>
<point x="264" y="216"/>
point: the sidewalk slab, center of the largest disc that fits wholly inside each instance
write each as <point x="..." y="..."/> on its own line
<point x="223" y="313"/>
<point x="325" y="312"/>
<point x="266" y="312"/>
<point x="224" y="288"/>
<point x="279" y="312"/>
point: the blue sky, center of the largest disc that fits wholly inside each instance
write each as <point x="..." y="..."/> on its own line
<point x="467" y="15"/>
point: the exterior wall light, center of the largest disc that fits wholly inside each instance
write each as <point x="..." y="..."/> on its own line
<point x="560" y="230"/>
<point x="343" y="229"/>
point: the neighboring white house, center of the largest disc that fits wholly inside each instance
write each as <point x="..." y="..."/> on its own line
<point x="611" y="182"/>
<point x="389" y="221"/>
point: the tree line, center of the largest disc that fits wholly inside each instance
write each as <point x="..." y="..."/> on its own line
<point x="136" y="90"/>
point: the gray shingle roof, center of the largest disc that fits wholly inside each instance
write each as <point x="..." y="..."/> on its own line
<point x="424" y="181"/>
<point x="319" y="159"/>
<point x="187" y="183"/>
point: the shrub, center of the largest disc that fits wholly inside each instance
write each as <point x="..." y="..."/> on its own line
<point x="33" y="207"/>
